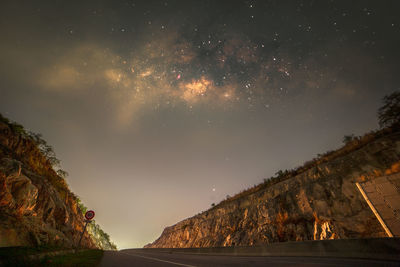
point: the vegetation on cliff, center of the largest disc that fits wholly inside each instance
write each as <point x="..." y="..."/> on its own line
<point x="389" y="118"/>
<point x="34" y="195"/>
<point x="316" y="201"/>
<point x="101" y="238"/>
<point x="389" y="113"/>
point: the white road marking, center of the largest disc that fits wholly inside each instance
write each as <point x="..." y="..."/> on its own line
<point x="150" y="258"/>
<point x="307" y="263"/>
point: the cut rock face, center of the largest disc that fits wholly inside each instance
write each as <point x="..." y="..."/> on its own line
<point x="33" y="211"/>
<point x="321" y="202"/>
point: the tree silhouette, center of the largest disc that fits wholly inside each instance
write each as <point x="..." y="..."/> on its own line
<point x="389" y="113"/>
<point x="348" y="138"/>
<point x="45" y="148"/>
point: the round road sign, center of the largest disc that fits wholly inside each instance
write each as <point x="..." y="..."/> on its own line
<point x="89" y="215"/>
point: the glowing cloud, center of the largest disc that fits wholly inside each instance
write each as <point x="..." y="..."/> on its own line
<point x="195" y="89"/>
<point x="59" y="78"/>
<point x="113" y="75"/>
<point x="146" y="73"/>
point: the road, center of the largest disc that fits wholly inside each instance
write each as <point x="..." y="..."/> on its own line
<point x="136" y="257"/>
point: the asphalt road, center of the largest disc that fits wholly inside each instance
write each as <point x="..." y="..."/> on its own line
<point x="137" y="257"/>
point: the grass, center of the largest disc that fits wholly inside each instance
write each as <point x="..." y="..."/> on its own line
<point x="83" y="258"/>
<point x="14" y="252"/>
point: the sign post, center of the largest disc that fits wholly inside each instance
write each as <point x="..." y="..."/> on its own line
<point x="89" y="215"/>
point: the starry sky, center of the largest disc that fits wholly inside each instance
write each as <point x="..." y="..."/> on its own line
<point x="157" y="109"/>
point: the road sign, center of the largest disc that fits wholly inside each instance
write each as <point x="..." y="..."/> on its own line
<point x="89" y="215"/>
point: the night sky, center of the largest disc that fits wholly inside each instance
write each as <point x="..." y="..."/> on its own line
<point x="157" y="109"/>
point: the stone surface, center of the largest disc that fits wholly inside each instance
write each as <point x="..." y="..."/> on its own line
<point x="36" y="206"/>
<point x="384" y="195"/>
<point x="320" y="202"/>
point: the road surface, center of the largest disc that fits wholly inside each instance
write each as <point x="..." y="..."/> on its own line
<point x="136" y="257"/>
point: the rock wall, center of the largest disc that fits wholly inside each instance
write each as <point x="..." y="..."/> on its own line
<point x="36" y="206"/>
<point x="319" y="203"/>
<point x="101" y="239"/>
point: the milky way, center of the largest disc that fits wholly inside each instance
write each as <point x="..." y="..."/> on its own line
<point x="172" y="53"/>
<point x="167" y="70"/>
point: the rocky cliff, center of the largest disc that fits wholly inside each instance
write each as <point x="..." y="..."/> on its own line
<point x="316" y="201"/>
<point x="36" y="206"/>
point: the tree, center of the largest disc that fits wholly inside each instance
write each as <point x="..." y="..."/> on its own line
<point x="18" y="128"/>
<point x="55" y="162"/>
<point x="45" y="148"/>
<point x="348" y="138"/>
<point x="62" y="173"/>
<point x="389" y="113"/>
<point x="37" y="138"/>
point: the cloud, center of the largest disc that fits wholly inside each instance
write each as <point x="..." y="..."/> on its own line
<point x="77" y="69"/>
<point x="61" y="77"/>
<point x="142" y="80"/>
<point x="166" y="70"/>
<point x="194" y="90"/>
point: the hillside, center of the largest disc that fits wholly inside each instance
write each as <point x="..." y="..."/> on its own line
<point x="313" y="202"/>
<point x="36" y="206"/>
